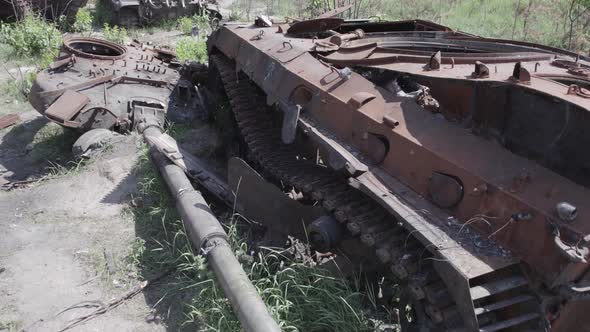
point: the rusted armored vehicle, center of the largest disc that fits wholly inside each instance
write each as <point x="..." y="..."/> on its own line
<point x="96" y="84"/>
<point x="459" y="163"/>
<point x="139" y="12"/>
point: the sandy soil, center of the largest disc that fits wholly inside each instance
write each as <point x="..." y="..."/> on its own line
<point x="52" y="237"/>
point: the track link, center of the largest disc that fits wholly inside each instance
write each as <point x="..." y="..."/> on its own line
<point x="405" y="256"/>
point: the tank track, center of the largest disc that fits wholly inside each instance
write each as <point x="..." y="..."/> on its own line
<point x="404" y="255"/>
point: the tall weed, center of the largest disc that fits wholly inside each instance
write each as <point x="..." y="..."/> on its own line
<point x="83" y="22"/>
<point x="191" y="49"/>
<point x="32" y="37"/>
<point x="114" y="33"/>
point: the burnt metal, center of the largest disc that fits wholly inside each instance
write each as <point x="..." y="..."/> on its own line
<point x="315" y="25"/>
<point x="335" y="12"/>
<point x="8" y="120"/>
<point x="66" y="107"/>
<point x="93" y="82"/>
<point x="269" y="205"/>
<point x="435" y="61"/>
<point x="325" y="233"/>
<point x="445" y="190"/>
<point x="481" y="70"/>
<point x="566" y="211"/>
<point x="197" y="169"/>
<point x="520" y="74"/>
<point x="94" y="48"/>
<point x="574" y="89"/>
<point x="290" y="120"/>
<point x="512" y="141"/>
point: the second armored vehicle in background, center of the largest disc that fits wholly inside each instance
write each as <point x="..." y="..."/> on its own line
<point x="138" y="12"/>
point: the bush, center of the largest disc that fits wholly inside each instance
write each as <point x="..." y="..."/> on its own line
<point x="186" y="24"/>
<point x="19" y="87"/>
<point x="114" y="34"/>
<point x="83" y="21"/>
<point x="32" y="37"/>
<point x="191" y="49"/>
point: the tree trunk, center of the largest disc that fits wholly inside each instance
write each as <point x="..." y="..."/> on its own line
<point x="516" y="11"/>
<point x="526" y="19"/>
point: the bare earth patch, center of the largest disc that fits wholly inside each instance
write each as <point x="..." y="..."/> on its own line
<point x="64" y="241"/>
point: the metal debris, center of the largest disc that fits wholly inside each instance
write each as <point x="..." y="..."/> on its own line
<point x="8" y="120"/>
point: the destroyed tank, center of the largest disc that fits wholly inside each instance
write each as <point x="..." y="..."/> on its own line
<point x="96" y="84"/>
<point x="139" y="12"/>
<point x="455" y="164"/>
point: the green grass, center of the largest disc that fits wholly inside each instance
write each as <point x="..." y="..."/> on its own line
<point x="301" y="297"/>
<point x="114" y="33"/>
<point x="18" y="88"/>
<point x="186" y="24"/>
<point x="83" y="22"/>
<point x="191" y="49"/>
<point x="543" y="22"/>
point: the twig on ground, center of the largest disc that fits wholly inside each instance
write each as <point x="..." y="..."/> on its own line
<point x="102" y="309"/>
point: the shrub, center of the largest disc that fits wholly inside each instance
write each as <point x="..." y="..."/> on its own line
<point x="186" y="24"/>
<point x="32" y="37"/>
<point x="19" y="87"/>
<point x="191" y="49"/>
<point x="114" y="34"/>
<point x="83" y="22"/>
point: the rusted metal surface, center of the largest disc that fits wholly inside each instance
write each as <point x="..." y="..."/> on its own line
<point x="508" y="138"/>
<point x="335" y="12"/>
<point x="8" y="120"/>
<point x="269" y="205"/>
<point x="315" y="25"/>
<point x="93" y="82"/>
<point x="66" y="107"/>
<point x="194" y="167"/>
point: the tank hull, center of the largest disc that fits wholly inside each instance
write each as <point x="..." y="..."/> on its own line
<point x="484" y="140"/>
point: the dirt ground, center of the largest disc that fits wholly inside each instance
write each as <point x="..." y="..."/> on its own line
<point x="65" y="241"/>
<point x="53" y="239"/>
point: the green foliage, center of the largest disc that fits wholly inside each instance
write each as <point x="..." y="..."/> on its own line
<point x="83" y="22"/>
<point x="19" y="87"/>
<point x="299" y="296"/>
<point x="191" y="49"/>
<point x="114" y="33"/>
<point x="186" y="24"/>
<point x="558" y="23"/>
<point x="32" y="37"/>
